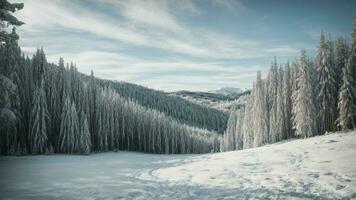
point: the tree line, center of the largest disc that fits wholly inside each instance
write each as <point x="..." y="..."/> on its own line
<point x="303" y="98"/>
<point x="184" y="111"/>
<point x="52" y="108"/>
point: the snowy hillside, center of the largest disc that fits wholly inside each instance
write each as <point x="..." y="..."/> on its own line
<point x="218" y="99"/>
<point x="229" y="91"/>
<point x="321" y="167"/>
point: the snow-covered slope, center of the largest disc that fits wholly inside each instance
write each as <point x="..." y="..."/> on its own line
<point x="228" y="91"/>
<point x="219" y="101"/>
<point x="320" y="167"/>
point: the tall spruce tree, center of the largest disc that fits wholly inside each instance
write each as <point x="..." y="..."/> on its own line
<point x="327" y="84"/>
<point x="84" y="139"/>
<point x="280" y="124"/>
<point x="10" y="113"/>
<point x="248" y="123"/>
<point x="287" y="100"/>
<point x="68" y="136"/>
<point x="351" y="63"/>
<point x="271" y="99"/>
<point x="39" y="122"/>
<point x="346" y="106"/>
<point x="341" y="55"/>
<point x="304" y="110"/>
<point x="260" y="111"/>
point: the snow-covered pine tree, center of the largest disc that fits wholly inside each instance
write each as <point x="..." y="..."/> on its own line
<point x="10" y="56"/>
<point x="239" y="134"/>
<point x="294" y="86"/>
<point x="8" y="122"/>
<point x="101" y="127"/>
<point x="347" y="95"/>
<point x="260" y="114"/>
<point x="340" y="60"/>
<point x="7" y="19"/>
<point x="39" y="66"/>
<point x="69" y="128"/>
<point x="351" y="63"/>
<point x="346" y="106"/>
<point x="280" y="122"/>
<point x="229" y="135"/>
<point x="94" y="110"/>
<point x="304" y="111"/>
<point x="10" y="117"/>
<point x="25" y="90"/>
<point x="327" y="84"/>
<point x="39" y="122"/>
<point x="287" y="100"/>
<point x="84" y="139"/>
<point x="271" y="99"/>
<point x="247" y="125"/>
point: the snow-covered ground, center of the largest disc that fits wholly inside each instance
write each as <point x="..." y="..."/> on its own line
<point x="322" y="167"/>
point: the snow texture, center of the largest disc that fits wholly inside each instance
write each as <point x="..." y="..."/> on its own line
<point x="321" y="167"/>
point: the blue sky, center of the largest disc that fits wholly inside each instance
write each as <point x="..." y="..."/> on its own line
<point x="184" y="44"/>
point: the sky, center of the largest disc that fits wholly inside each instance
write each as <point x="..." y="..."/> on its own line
<point x="197" y="45"/>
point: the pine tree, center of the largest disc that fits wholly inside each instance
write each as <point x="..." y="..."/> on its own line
<point x="229" y="135"/>
<point x="8" y="122"/>
<point x="347" y="97"/>
<point x="39" y="122"/>
<point x="304" y="108"/>
<point x="10" y="55"/>
<point x="287" y="94"/>
<point x="239" y="134"/>
<point x="247" y="126"/>
<point x="6" y="19"/>
<point x="271" y="98"/>
<point x="280" y="124"/>
<point x="39" y="66"/>
<point x="84" y="139"/>
<point x="260" y="114"/>
<point x="69" y="128"/>
<point x="346" y="106"/>
<point x="93" y="94"/>
<point x="351" y="63"/>
<point x="340" y="60"/>
<point x="327" y="84"/>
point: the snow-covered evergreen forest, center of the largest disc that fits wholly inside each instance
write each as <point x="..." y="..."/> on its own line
<point x="52" y="108"/>
<point x="301" y="98"/>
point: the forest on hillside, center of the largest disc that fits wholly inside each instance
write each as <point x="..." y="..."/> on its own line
<point x="301" y="98"/>
<point x="52" y="108"/>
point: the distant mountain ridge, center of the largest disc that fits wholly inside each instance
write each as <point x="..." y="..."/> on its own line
<point x="222" y="94"/>
<point x="203" y="95"/>
<point x="229" y="91"/>
<point x="222" y="99"/>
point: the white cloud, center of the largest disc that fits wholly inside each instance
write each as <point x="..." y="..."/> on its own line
<point x="283" y="50"/>
<point x="97" y="40"/>
<point x="136" y="29"/>
<point x="160" y="74"/>
<point x="150" y="13"/>
<point x="231" y="5"/>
